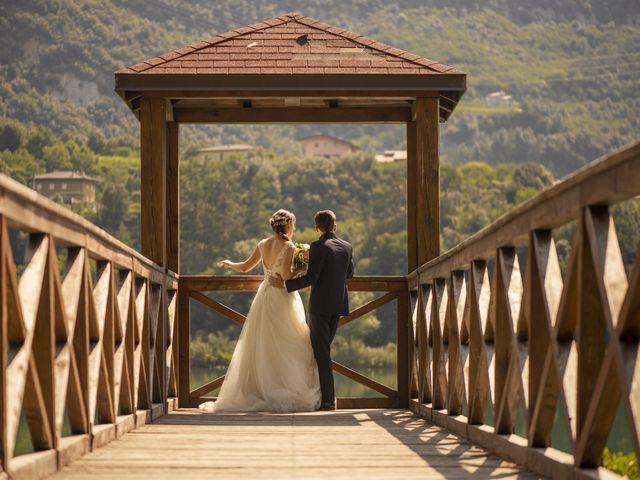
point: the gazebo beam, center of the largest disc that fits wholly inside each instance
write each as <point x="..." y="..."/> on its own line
<point x="294" y="115"/>
<point x="173" y="198"/>
<point x="433" y="83"/>
<point x="282" y="93"/>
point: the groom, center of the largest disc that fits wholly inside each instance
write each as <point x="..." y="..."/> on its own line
<point x="330" y="265"/>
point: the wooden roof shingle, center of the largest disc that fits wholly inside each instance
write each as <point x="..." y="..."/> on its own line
<point x="290" y="43"/>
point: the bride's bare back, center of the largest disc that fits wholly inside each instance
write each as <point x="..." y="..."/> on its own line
<point x="268" y="250"/>
<point x="277" y="254"/>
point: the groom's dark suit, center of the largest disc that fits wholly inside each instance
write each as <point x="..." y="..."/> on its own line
<point x="330" y="264"/>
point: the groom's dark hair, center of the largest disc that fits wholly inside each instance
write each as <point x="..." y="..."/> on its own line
<point x="325" y="220"/>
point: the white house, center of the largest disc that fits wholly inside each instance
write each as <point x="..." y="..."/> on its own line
<point x="499" y="99"/>
<point x="392" y="156"/>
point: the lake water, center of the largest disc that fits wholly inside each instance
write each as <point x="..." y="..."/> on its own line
<point x="345" y="387"/>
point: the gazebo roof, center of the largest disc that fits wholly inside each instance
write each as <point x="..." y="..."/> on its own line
<point x="293" y="56"/>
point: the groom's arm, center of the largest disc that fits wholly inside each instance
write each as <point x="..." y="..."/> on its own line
<point x="350" y="268"/>
<point x="316" y="262"/>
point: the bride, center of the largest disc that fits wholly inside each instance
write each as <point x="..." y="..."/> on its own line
<point x="273" y="368"/>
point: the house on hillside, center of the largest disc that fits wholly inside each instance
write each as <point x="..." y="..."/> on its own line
<point x="498" y="99"/>
<point x="392" y="156"/>
<point x="326" y="146"/>
<point x="218" y="151"/>
<point x="71" y="186"/>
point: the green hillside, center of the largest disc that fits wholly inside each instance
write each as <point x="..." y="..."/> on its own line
<point x="573" y="68"/>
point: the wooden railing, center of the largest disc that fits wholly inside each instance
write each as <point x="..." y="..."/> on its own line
<point x="492" y="347"/>
<point x="191" y="288"/>
<point x="91" y="342"/>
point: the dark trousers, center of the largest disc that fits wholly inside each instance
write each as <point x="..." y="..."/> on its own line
<point x="323" y="330"/>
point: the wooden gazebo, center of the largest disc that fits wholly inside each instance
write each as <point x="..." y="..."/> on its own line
<point x="288" y="69"/>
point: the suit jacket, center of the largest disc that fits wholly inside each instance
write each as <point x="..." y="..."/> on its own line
<point x="330" y="265"/>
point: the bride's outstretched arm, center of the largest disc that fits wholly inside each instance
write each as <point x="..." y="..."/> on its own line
<point x="245" y="266"/>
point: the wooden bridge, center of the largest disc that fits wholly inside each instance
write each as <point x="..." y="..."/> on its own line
<point x="97" y="342"/>
<point x="493" y="343"/>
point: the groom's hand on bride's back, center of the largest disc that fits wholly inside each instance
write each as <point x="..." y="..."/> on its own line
<point x="276" y="281"/>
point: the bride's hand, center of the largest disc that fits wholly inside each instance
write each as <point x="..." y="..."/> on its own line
<point x="223" y="264"/>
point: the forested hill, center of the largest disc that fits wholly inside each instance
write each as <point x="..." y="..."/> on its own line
<point x="200" y="14"/>
<point x="572" y="66"/>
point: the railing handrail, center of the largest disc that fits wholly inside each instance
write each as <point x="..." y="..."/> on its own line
<point x="612" y="178"/>
<point x="29" y="210"/>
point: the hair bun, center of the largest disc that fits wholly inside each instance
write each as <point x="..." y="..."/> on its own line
<point x="280" y="222"/>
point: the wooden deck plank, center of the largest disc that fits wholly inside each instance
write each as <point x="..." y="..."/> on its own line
<point x="341" y="444"/>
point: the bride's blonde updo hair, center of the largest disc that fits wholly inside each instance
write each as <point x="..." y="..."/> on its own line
<point x="280" y="222"/>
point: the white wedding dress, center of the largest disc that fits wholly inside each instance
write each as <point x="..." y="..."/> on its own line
<point x="272" y="368"/>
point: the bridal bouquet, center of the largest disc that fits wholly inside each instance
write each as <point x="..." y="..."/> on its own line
<point x="301" y="257"/>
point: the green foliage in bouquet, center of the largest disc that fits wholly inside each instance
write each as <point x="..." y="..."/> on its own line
<point x="301" y="257"/>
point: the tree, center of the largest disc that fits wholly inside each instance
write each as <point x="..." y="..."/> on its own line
<point x="532" y="175"/>
<point x="39" y="139"/>
<point x="114" y="199"/>
<point x="57" y="157"/>
<point x="20" y="165"/>
<point x="11" y="136"/>
<point x="81" y="157"/>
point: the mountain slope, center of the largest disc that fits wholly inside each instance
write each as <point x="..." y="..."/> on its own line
<point x="573" y="68"/>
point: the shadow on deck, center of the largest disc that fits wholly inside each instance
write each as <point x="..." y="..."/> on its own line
<point x="342" y="444"/>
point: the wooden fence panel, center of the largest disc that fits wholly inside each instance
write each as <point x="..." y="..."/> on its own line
<point x="81" y="342"/>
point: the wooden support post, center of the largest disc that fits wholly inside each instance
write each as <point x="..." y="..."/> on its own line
<point x="153" y="172"/>
<point x="184" y="356"/>
<point x="412" y="198"/>
<point x="161" y="346"/>
<point x="173" y="199"/>
<point x="403" y="323"/>
<point x="427" y="190"/>
<point x="172" y="245"/>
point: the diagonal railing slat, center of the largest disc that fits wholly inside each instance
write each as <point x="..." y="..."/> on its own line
<point x="207" y="387"/>
<point x="364" y="380"/>
<point x="367" y="308"/>
<point x="219" y="307"/>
